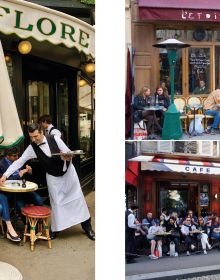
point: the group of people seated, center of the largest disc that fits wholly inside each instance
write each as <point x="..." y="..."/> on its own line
<point x="182" y="231"/>
<point x="145" y="100"/>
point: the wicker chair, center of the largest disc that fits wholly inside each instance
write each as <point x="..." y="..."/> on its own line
<point x="180" y="106"/>
<point x="195" y="101"/>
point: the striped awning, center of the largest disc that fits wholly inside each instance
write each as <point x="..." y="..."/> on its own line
<point x="171" y="165"/>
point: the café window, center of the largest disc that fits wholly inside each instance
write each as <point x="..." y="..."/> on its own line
<point x="199" y="35"/>
<point x="199" y="70"/>
<point x="165" y="72"/>
<point x="86" y="120"/>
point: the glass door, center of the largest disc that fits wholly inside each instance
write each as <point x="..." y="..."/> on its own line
<point x="38" y="100"/>
<point x="62" y="108"/>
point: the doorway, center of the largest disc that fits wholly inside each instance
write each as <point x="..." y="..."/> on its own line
<point x="181" y="196"/>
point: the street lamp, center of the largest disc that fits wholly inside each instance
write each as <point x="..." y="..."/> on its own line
<point x="172" y="129"/>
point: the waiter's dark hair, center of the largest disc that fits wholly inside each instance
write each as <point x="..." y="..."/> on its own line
<point x="134" y="207"/>
<point x="45" y="118"/>
<point x="34" y="126"/>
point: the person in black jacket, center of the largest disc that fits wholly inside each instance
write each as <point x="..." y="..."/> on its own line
<point x="174" y="228"/>
<point x="161" y="99"/>
<point x="142" y="101"/>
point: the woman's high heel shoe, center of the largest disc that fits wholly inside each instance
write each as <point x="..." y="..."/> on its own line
<point x="13" y="238"/>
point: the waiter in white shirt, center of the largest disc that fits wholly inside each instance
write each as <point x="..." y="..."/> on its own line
<point x="66" y="198"/>
<point x="46" y="122"/>
<point x="130" y="228"/>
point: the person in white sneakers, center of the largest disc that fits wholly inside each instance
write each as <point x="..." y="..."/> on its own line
<point x="155" y="240"/>
<point x="186" y="230"/>
<point x="203" y="237"/>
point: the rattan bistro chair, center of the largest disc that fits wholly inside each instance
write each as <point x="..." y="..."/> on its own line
<point x="37" y="218"/>
<point x="180" y="106"/>
<point x="195" y="101"/>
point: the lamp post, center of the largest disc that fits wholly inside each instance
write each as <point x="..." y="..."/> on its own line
<point x="172" y="129"/>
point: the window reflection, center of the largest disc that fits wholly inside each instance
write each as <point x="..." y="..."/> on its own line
<point x="86" y="120"/>
<point x="165" y="72"/>
<point x="199" y="70"/>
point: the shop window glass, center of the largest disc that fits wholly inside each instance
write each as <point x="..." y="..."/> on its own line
<point x="186" y="147"/>
<point x="175" y="200"/>
<point x="217" y="35"/>
<point x="199" y="70"/>
<point x="217" y="67"/>
<point x="148" y="146"/>
<point x="62" y="109"/>
<point x="9" y="64"/>
<point x="164" y="34"/>
<point x="38" y="92"/>
<point x="165" y="72"/>
<point x="86" y="120"/>
<point x="199" y="35"/>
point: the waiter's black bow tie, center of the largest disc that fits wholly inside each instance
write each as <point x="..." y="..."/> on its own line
<point x="41" y="144"/>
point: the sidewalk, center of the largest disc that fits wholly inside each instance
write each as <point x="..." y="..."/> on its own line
<point x="72" y="255"/>
<point x="177" y="268"/>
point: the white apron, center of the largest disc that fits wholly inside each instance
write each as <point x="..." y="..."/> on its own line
<point x="67" y="200"/>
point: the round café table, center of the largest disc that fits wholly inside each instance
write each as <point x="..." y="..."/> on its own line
<point x="16" y="186"/>
<point x="153" y="109"/>
<point x="9" y="272"/>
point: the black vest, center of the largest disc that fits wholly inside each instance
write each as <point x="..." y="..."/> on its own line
<point x="53" y="165"/>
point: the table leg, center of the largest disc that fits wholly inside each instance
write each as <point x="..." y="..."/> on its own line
<point x="194" y="133"/>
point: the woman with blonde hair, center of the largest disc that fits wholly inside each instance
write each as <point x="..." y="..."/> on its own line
<point x="143" y="100"/>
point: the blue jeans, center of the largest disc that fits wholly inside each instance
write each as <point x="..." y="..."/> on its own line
<point x="216" y="115"/>
<point x="215" y="235"/>
<point x="28" y="198"/>
<point x="4" y="207"/>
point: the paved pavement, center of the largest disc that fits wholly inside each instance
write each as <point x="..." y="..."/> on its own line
<point x="203" y="136"/>
<point x="181" y="267"/>
<point x="209" y="277"/>
<point x="72" y="255"/>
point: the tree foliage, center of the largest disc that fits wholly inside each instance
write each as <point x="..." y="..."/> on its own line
<point x="88" y="2"/>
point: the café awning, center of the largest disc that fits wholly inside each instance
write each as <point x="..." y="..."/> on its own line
<point x="10" y="128"/>
<point x="29" y="20"/>
<point x="201" y="11"/>
<point x="183" y="166"/>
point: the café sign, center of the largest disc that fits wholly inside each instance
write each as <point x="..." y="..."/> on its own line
<point x="31" y="20"/>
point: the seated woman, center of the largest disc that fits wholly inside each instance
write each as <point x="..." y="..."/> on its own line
<point x="155" y="240"/>
<point x="11" y="155"/>
<point x="175" y="234"/>
<point x="186" y="228"/>
<point x="141" y="101"/>
<point x="161" y="99"/>
<point x="203" y="237"/>
<point x="215" y="229"/>
<point x="11" y="233"/>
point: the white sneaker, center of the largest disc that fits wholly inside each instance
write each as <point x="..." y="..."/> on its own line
<point x="188" y="253"/>
<point x="176" y="254"/>
<point x="153" y="257"/>
<point x="209" y="246"/>
<point x="193" y="247"/>
<point x="205" y="252"/>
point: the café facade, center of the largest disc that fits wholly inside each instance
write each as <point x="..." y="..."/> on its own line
<point x="196" y="23"/>
<point x="50" y="57"/>
<point x="175" y="181"/>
